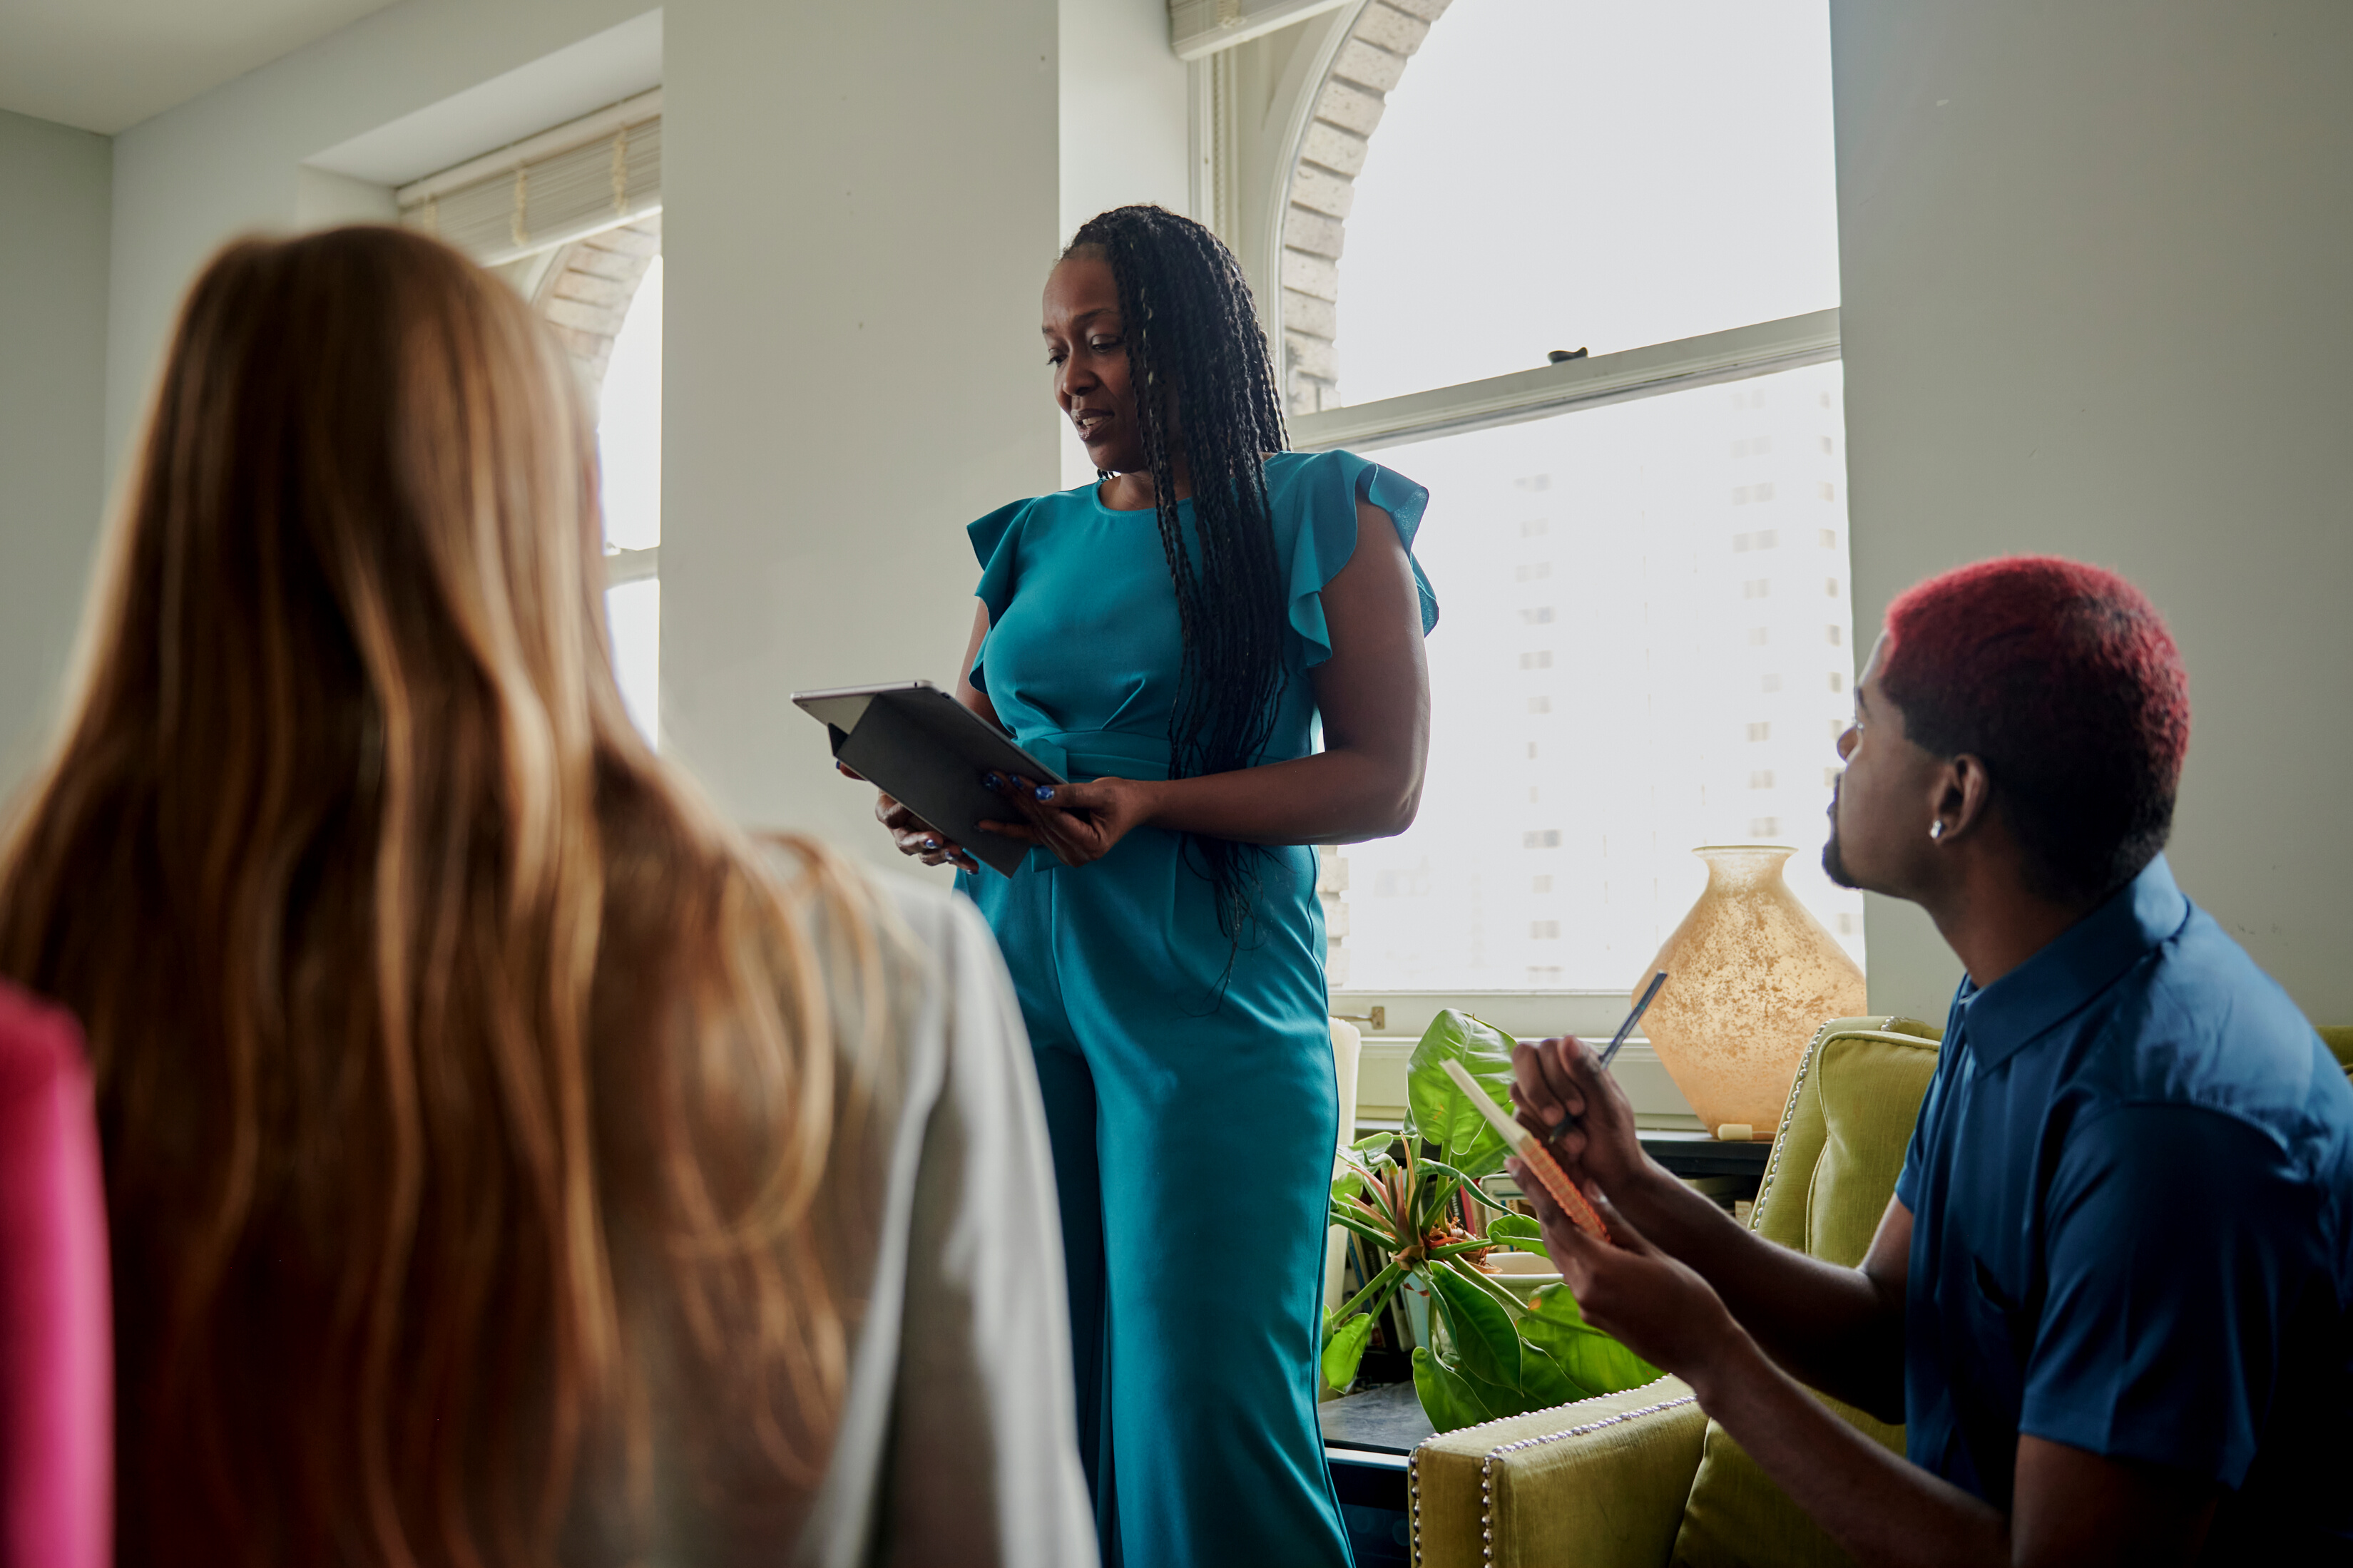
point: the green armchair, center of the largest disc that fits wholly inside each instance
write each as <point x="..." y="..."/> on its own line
<point x="2339" y="1039"/>
<point x="1643" y="1478"/>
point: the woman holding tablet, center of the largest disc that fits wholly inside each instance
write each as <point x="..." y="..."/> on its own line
<point x="1169" y="637"/>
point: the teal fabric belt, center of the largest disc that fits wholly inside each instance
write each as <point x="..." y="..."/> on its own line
<point x="1079" y="754"/>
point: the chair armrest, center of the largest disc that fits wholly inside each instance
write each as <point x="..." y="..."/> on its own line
<point x="1599" y="1483"/>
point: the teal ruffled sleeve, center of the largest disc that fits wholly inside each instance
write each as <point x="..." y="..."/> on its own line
<point x="1332" y="483"/>
<point x="996" y="540"/>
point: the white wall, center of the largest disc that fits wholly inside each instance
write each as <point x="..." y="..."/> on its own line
<point x="861" y="202"/>
<point x="322" y="199"/>
<point x="1125" y="108"/>
<point x="53" y="249"/>
<point x="2097" y="304"/>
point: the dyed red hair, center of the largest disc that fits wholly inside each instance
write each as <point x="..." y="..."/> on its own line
<point x="2063" y="681"/>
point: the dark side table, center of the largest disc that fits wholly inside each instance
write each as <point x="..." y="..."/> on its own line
<point x="1700" y="1154"/>
<point x="1368" y="1440"/>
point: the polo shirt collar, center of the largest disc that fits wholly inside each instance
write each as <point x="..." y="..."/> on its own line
<point x="2074" y="966"/>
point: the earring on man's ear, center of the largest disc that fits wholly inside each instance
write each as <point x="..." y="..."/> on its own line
<point x="1937" y="828"/>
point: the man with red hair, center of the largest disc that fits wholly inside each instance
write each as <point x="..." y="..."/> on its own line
<point x="2109" y="1298"/>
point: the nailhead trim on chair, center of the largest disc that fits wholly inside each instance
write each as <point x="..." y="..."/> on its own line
<point x="1487" y="1468"/>
<point x="1524" y="1415"/>
<point x="1796" y="1086"/>
<point x="1413" y="1500"/>
<point x="1773" y="1166"/>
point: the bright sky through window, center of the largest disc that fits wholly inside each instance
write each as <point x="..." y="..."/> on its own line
<point x="1568" y="174"/>
<point x="629" y="422"/>
<point x="1608" y="693"/>
<point x="1647" y="639"/>
<point x="628" y="446"/>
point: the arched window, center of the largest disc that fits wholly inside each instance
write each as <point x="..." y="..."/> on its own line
<point x="603" y="295"/>
<point x="571" y="218"/>
<point x="628" y="443"/>
<point x="1573" y="265"/>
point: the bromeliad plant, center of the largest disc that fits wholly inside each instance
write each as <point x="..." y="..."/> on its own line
<point x="1502" y="1358"/>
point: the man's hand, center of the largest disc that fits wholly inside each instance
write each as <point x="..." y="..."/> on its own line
<point x="1839" y="1330"/>
<point x="1079" y="822"/>
<point x="1662" y="1309"/>
<point x="1560" y="1083"/>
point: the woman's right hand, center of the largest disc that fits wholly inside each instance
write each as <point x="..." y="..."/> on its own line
<point x="912" y="834"/>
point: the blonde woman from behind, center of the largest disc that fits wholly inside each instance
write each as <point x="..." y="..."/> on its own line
<point x="507" y="1161"/>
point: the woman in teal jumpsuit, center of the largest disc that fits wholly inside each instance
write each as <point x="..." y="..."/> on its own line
<point x="1172" y="979"/>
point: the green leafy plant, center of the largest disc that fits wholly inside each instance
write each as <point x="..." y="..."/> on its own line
<point x="1408" y="1205"/>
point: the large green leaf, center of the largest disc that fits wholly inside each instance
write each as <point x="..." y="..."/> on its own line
<point x="1441" y="1113"/>
<point x="1346" y="1350"/>
<point x="1590" y="1358"/>
<point x="1484" y="1336"/>
<point x="1521" y="1231"/>
<point x="1447" y="1396"/>
<point x="1542" y="1383"/>
<point x="1518" y="1373"/>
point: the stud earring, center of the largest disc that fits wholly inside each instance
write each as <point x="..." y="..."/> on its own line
<point x="1936" y="830"/>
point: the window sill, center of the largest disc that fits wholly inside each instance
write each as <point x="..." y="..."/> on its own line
<point x="1659" y="1106"/>
<point x="1528" y="1014"/>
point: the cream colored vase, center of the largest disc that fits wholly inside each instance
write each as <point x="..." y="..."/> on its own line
<point x="1751" y="973"/>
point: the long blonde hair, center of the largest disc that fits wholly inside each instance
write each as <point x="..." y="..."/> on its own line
<point x="453" y="1056"/>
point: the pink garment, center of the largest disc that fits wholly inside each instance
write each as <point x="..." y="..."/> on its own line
<point x="56" y="1337"/>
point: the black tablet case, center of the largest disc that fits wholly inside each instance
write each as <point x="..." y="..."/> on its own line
<point x="927" y="750"/>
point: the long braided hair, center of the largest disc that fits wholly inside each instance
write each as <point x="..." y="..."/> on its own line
<point x="1198" y="360"/>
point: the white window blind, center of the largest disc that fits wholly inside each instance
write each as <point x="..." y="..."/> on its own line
<point x="563" y="184"/>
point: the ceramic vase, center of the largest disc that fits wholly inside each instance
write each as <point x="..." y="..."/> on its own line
<point x="1751" y="975"/>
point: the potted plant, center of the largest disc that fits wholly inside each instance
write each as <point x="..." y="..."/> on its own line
<point x="1409" y="1198"/>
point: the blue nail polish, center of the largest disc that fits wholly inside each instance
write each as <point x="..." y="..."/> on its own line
<point x="1044" y="792"/>
<point x="993" y="780"/>
<point x="931" y="844"/>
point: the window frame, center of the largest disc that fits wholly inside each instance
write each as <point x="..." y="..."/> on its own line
<point x="1351" y="51"/>
<point x="1392" y="1020"/>
<point x="533" y="262"/>
<point x="1712" y="359"/>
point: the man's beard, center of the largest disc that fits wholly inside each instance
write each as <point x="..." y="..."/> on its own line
<point x="1833" y="860"/>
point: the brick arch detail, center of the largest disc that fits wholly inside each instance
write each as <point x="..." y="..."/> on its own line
<point x="1321" y="187"/>
<point x="587" y="287"/>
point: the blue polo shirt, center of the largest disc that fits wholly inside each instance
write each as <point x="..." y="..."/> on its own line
<point x="2129" y="1187"/>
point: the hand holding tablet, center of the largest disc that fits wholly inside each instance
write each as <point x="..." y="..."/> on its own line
<point x="930" y="753"/>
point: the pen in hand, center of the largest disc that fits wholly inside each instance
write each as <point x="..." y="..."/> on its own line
<point x="1610" y="1052"/>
